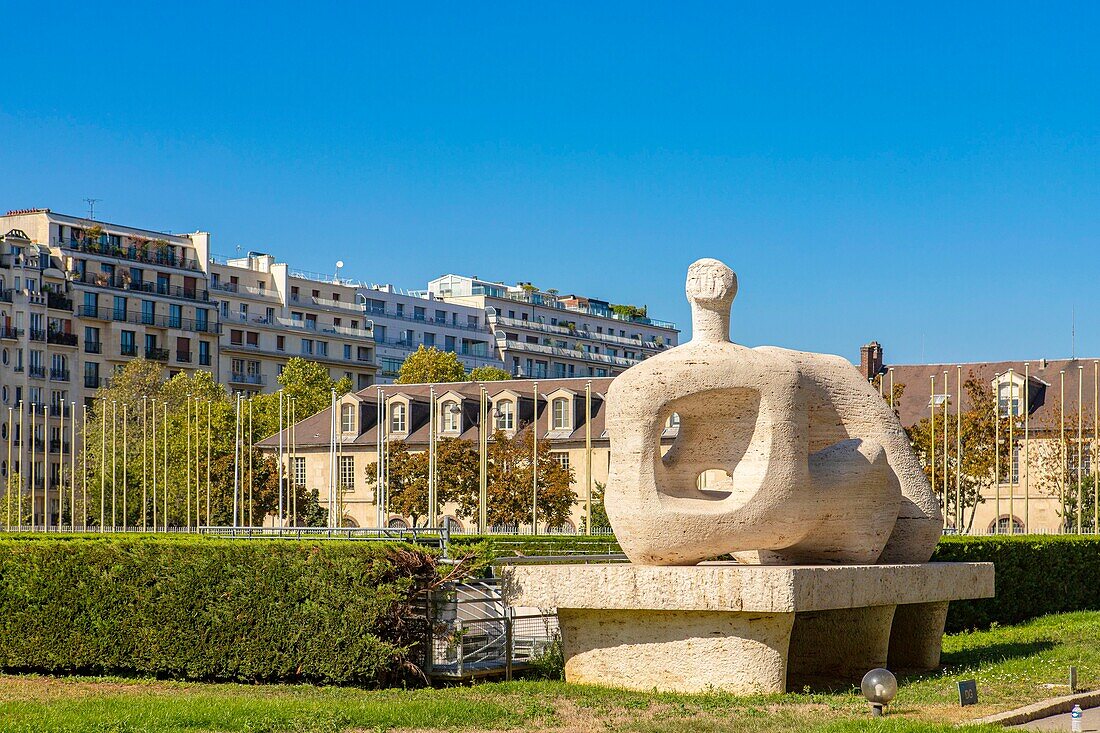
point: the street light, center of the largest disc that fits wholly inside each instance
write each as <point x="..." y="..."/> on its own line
<point x="879" y="686"/>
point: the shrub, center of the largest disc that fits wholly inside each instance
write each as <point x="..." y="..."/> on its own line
<point x="1036" y="575"/>
<point x="198" y="608"/>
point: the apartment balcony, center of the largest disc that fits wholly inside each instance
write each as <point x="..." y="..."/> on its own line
<point x="93" y="347"/>
<point x="246" y="290"/>
<point x="615" y="361"/>
<point x="19" y="369"/>
<point x="37" y="335"/>
<point x="59" y="446"/>
<point x="123" y="282"/>
<point x="150" y="319"/>
<point x="60" y="410"/>
<point x="204" y="359"/>
<point x="93" y="381"/>
<point x="60" y="338"/>
<point x="37" y="372"/>
<point x="7" y="295"/>
<point x="253" y="379"/>
<point x="184" y="357"/>
<point x="328" y="303"/>
<point x="127" y="350"/>
<point x="57" y="301"/>
<point x="570" y="330"/>
<point x="59" y="375"/>
<point x="7" y="332"/>
<point x="149" y="255"/>
<point x="155" y="354"/>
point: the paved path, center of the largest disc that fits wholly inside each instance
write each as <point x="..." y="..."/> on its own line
<point x="1090" y="721"/>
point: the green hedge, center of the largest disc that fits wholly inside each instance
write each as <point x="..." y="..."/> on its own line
<point x="1036" y="575"/>
<point x="198" y="608"/>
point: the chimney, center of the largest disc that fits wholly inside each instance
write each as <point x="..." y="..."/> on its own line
<point x="870" y="360"/>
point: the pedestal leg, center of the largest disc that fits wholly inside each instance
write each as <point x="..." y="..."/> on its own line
<point x="677" y="651"/>
<point x="916" y="637"/>
<point x="839" y="646"/>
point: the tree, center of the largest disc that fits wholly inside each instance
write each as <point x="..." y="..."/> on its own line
<point x="599" y="511"/>
<point x="431" y="366"/>
<point x="1054" y="463"/>
<point x="980" y="453"/>
<point x="879" y="382"/>
<point x="488" y="374"/>
<point x="304" y="383"/>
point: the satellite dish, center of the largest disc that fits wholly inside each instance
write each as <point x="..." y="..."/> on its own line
<point x="339" y="263"/>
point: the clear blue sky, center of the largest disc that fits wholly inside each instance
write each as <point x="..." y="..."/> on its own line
<point x="923" y="174"/>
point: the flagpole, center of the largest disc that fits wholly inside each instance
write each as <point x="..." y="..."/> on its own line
<point x="144" y="463"/>
<point x="84" y="472"/>
<point x="293" y="456"/>
<point x="535" y="462"/>
<point x="236" y="455"/>
<point x="946" y="494"/>
<point x="1062" y="429"/>
<point x="959" y="514"/>
<point x="431" y="455"/>
<point x="153" y="463"/>
<point x="1095" y="443"/>
<point x="483" y="463"/>
<point x="251" y="516"/>
<point x="61" y="467"/>
<point x="932" y="440"/>
<point x="22" y="444"/>
<point x="125" y="461"/>
<point x="588" y="453"/>
<point x="209" y="452"/>
<point x="1027" y="446"/>
<point x="1011" y="431"/>
<point x="45" y="466"/>
<point x="379" y="519"/>
<point x="187" y="475"/>
<point x="997" y="449"/>
<point x="114" y="464"/>
<point x="34" y="436"/>
<point x="1079" y="451"/>
<point x="164" y="455"/>
<point x="7" y="482"/>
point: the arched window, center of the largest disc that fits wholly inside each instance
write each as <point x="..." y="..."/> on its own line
<point x="452" y="415"/>
<point x="561" y="413"/>
<point x="1007" y="525"/>
<point x="347" y="418"/>
<point x="452" y="524"/>
<point x="506" y="415"/>
<point x="397" y="418"/>
<point x="397" y="523"/>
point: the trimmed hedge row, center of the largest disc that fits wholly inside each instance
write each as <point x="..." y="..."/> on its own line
<point x="1036" y="575"/>
<point x="198" y="608"/>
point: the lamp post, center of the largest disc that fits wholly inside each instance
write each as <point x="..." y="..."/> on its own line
<point x="880" y="687"/>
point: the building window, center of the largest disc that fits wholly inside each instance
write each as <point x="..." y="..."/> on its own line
<point x="561" y="413"/>
<point x="307" y="346"/>
<point x="280" y="343"/>
<point x="347" y="418"/>
<point x="397" y="418"/>
<point x="452" y="415"/>
<point x="506" y="415"/>
<point x="347" y="472"/>
<point x="561" y="458"/>
<point x="298" y="471"/>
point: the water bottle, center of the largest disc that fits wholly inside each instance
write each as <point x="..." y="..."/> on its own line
<point x="1075" y="719"/>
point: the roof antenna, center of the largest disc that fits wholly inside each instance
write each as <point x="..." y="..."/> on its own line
<point x="91" y="207"/>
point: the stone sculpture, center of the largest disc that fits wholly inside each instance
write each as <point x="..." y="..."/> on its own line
<point x="814" y="467"/>
<point x="819" y="498"/>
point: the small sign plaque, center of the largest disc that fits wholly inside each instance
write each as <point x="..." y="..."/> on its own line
<point x="968" y="692"/>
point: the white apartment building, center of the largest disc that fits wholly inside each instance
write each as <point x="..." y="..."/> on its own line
<point x="403" y="321"/>
<point x="272" y="314"/>
<point x="542" y="334"/>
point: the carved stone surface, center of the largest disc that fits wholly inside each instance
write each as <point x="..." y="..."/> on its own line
<point x="818" y="497"/>
<point x="814" y="466"/>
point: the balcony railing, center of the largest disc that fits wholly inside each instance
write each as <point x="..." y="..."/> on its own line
<point x="183" y="356"/>
<point x="150" y="319"/>
<point x="155" y="354"/>
<point x="7" y="295"/>
<point x="7" y="332"/>
<point x="93" y="347"/>
<point x="151" y="255"/>
<point x="127" y="350"/>
<point x="59" y="375"/>
<point x="62" y="338"/>
<point x="38" y="372"/>
<point x="38" y="334"/>
<point x="58" y="301"/>
<point x="247" y="378"/>
<point x="204" y="359"/>
<point x="92" y="381"/>
<point x="59" y="446"/>
<point x="121" y="282"/>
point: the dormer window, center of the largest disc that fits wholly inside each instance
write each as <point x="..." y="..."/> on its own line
<point x="347" y="418"/>
<point x="560" y="408"/>
<point x="452" y="417"/>
<point x="397" y="418"/>
<point x="506" y="415"/>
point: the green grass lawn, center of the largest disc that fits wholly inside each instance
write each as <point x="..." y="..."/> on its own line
<point x="1013" y="666"/>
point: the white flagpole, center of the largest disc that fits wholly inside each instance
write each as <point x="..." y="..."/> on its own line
<point x="431" y="457"/>
<point x="281" y="458"/>
<point x="535" y="462"/>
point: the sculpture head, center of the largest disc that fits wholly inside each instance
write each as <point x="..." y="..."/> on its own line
<point x="711" y="284"/>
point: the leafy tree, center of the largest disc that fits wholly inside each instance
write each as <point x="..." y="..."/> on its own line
<point x="1053" y="461"/>
<point x="509" y="485"/>
<point x="599" y="512"/>
<point x="430" y="366"/>
<point x="488" y="374"/>
<point x="880" y="382"/>
<point x="304" y="383"/>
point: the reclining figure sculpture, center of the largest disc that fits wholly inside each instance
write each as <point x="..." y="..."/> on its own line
<point x="812" y="466"/>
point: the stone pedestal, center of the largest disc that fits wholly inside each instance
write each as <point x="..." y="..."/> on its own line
<point x="745" y="628"/>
